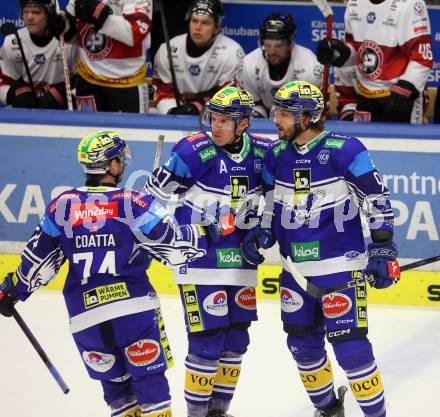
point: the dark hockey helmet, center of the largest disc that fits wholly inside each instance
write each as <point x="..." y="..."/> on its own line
<point x="47" y="5"/>
<point x="299" y="97"/>
<point x="278" y="26"/>
<point x="213" y="8"/>
<point x="97" y="149"/>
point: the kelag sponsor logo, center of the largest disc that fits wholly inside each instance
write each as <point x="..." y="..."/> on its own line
<point x="207" y="154"/>
<point x="306" y="251"/>
<point x="229" y="258"/>
<point x="216" y="303"/>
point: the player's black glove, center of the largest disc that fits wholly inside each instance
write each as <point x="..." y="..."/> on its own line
<point x="187" y="109"/>
<point x="61" y="24"/>
<point x="401" y="101"/>
<point x="7" y="295"/>
<point x="20" y="95"/>
<point x="52" y="96"/>
<point x="92" y="11"/>
<point x="333" y="52"/>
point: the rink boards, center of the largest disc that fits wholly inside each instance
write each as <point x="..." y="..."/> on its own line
<point x="39" y="161"/>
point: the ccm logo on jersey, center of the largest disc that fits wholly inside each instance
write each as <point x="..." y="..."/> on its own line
<point x="92" y="212"/>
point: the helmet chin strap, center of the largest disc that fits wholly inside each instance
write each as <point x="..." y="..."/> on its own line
<point x="298" y="129"/>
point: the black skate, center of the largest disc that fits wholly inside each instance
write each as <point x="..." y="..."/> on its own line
<point x="337" y="410"/>
<point x="217" y="413"/>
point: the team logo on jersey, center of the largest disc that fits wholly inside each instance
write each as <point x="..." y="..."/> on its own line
<point x="39" y="59"/>
<point x="291" y="301"/>
<point x="195" y="70"/>
<point x="239" y="190"/>
<point x="246" y="298"/>
<point x="143" y="352"/>
<point x="371" y="17"/>
<point x="370" y="60"/>
<point x="98" y="361"/>
<point x="216" y="303"/>
<point x="96" y="45"/>
<point x="258" y="166"/>
<point x="323" y="156"/>
<point x="336" y="305"/>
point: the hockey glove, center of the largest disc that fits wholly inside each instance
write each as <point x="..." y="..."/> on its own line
<point x="256" y="238"/>
<point x="7" y="295"/>
<point x="217" y="225"/>
<point x="20" y="95"/>
<point x="92" y="11"/>
<point x="52" y="96"/>
<point x="61" y="24"/>
<point x="187" y="109"/>
<point x="382" y="264"/>
<point x="401" y="101"/>
<point x="333" y="52"/>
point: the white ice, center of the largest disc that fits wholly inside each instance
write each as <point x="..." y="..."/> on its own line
<point x="406" y="342"/>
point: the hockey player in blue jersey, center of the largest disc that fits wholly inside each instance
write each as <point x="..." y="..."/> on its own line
<point x="316" y="186"/>
<point x="220" y="166"/>
<point x="106" y="233"/>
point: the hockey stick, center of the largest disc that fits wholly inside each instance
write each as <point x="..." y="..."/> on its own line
<point x="34" y="342"/>
<point x="318" y="292"/>
<point x="327" y="11"/>
<point x="8" y="28"/>
<point x="65" y="65"/>
<point x="170" y="57"/>
<point x="159" y="146"/>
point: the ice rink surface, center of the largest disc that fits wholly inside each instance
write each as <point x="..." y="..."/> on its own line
<point x="406" y="342"/>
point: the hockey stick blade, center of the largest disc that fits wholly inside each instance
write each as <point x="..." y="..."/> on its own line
<point x="158" y="154"/>
<point x="36" y="345"/>
<point x="324" y="7"/>
<point x="8" y="28"/>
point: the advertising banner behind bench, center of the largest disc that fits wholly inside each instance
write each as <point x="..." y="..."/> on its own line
<point x="242" y="20"/>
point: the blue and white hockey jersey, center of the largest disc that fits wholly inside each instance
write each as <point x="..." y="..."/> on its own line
<point x="104" y="232"/>
<point x="206" y="176"/>
<point x="318" y="192"/>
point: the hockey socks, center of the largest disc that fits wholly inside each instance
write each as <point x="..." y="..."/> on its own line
<point x="225" y="382"/>
<point x="199" y="383"/>
<point x="156" y="410"/>
<point x="367" y="388"/>
<point x="317" y="378"/>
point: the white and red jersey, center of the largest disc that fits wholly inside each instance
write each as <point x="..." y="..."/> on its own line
<point x="115" y="56"/>
<point x="45" y="63"/>
<point x="214" y="69"/>
<point x="255" y="77"/>
<point x="389" y="41"/>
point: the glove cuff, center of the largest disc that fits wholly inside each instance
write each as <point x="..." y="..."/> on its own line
<point x="405" y="89"/>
